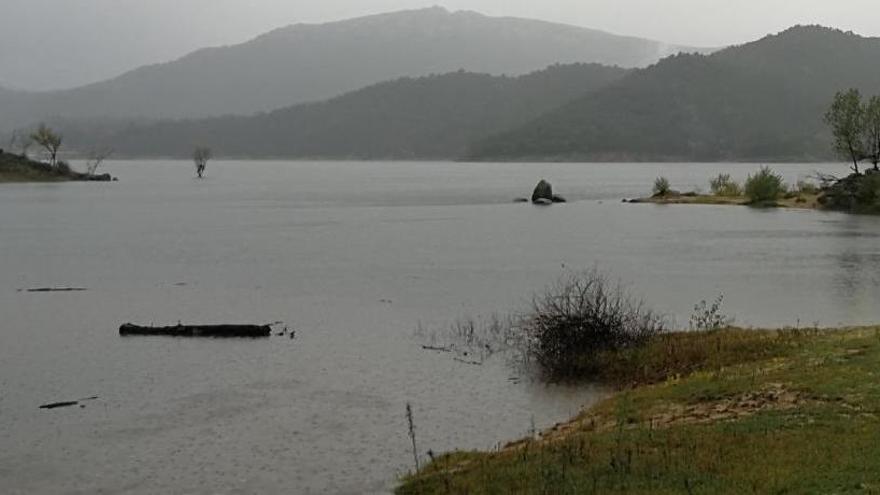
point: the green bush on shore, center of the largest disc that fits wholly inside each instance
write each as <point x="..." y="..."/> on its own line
<point x="662" y="187"/>
<point x="765" y="186"/>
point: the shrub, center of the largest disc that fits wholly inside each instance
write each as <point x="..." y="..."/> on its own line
<point x="708" y="318"/>
<point x="581" y="317"/>
<point x="723" y="185"/>
<point x="764" y="186"/>
<point x="64" y="167"/>
<point x="661" y="186"/>
<point x="868" y="195"/>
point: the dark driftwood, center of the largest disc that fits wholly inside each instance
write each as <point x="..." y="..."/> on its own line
<point x="56" y="289"/>
<point x="247" y="331"/>
<point x="56" y="405"/>
<point x="70" y="403"/>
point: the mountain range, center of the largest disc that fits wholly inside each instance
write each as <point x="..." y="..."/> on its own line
<point x="760" y="101"/>
<point x="431" y="117"/>
<point x="306" y="63"/>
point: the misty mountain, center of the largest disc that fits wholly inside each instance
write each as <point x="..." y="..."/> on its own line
<point x="409" y="118"/>
<point x="760" y="101"/>
<point x="303" y="63"/>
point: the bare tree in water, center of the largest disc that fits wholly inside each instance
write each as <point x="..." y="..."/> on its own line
<point x="200" y="157"/>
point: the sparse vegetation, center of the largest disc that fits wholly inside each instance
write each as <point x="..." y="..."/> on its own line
<point x="708" y="317"/>
<point x="805" y="187"/>
<point x="95" y="158"/>
<point x="724" y="186"/>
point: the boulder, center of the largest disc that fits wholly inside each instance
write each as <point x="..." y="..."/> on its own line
<point x="543" y="191"/>
<point x="559" y="199"/>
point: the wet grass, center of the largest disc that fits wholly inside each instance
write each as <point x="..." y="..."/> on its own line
<point x="729" y="411"/>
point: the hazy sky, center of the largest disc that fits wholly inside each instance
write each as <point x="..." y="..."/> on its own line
<point x="55" y="43"/>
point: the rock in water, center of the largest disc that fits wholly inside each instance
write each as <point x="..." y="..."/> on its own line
<point x="543" y="191"/>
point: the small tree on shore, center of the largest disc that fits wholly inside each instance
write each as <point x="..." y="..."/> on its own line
<point x="846" y="118"/>
<point x="95" y="158"/>
<point x="200" y="157"/>
<point x="49" y="140"/>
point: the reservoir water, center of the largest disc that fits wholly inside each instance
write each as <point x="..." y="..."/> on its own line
<point x="354" y="257"/>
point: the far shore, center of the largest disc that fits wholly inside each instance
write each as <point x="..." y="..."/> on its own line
<point x="800" y="201"/>
<point x="21" y="169"/>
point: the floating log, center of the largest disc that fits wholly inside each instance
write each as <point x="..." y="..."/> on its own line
<point x="69" y="403"/>
<point x="55" y="289"/>
<point x="245" y="331"/>
<point x="56" y="405"/>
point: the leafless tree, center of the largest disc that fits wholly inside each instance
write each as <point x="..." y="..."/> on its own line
<point x="49" y="140"/>
<point x="95" y="158"/>
<point x="200" y="157"/>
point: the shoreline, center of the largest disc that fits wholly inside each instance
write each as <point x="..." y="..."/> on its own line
<point x="16" y="169"/>
<point x="801" y="201"/>
<point x="801" y="400"/>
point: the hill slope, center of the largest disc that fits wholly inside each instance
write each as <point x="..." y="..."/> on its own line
<point x="760" y="101"/>
<point x="303" y="63"/>
<point x="423" y="118"/>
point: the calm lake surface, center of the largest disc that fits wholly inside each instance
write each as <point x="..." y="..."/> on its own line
<point x="354" y="256"/>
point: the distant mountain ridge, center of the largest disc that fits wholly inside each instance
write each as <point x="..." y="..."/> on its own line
<point x="305" y="62"/>
<point x="759" y="101"/>
<point x="432" y="117"/>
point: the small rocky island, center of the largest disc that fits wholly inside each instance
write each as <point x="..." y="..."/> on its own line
<point x="19" y="168"/>
<point x="543" y="195"/>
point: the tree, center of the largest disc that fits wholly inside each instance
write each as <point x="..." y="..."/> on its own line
<point x="200" y="157"/>
<point x="871" y="130"/>
<point x="49" y="140"/>
<point x="846" y="118"/>
<point x="95" y="158"/>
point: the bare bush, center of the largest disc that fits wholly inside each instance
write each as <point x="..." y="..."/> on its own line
<point x="582" y="316"/>
<point x="95" y="158"/>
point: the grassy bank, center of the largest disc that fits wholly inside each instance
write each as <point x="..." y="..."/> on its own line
<point x="729" y="411"/>
<point x="14" y="168"/>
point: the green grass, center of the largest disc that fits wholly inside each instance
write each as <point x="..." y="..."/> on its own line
<point x="732" y="411"/>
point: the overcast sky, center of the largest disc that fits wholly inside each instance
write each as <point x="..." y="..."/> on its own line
<point x="57" y="43"/>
